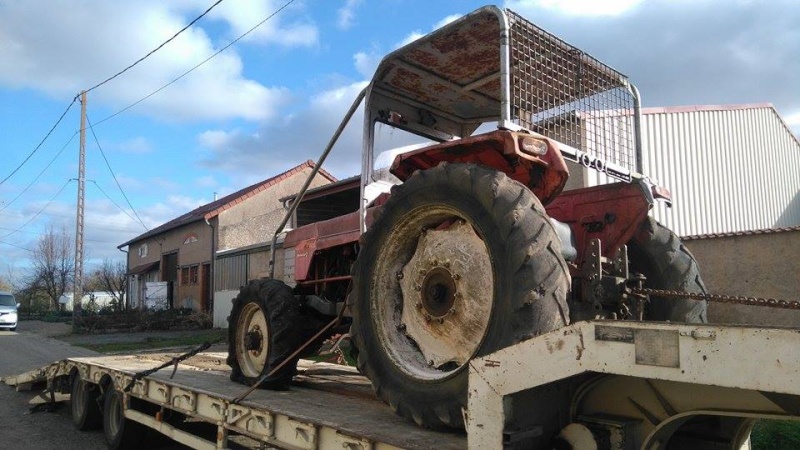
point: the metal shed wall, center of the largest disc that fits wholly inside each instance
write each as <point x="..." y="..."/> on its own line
<point x="729" y="168"/>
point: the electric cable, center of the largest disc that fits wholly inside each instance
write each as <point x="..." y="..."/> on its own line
<point x="40" y="142"/>
<point x="114" y="175"/>
<point x="40" y="173"/>
<point x="40" y="211"/>
<point x="155" y="49"/>
<point x="112" y="200"/>
<point x="196" y="66"/>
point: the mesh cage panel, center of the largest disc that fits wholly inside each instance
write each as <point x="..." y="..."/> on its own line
<point x="563" y="93"/>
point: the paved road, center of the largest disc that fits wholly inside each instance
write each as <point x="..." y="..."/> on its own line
<point x="32" y="347"/>
<point x="23" y="351"/>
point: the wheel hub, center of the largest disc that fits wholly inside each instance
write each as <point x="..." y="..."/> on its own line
<point x="253" y="340"/>
<point x="447" y="289"/>
<point x="439" y="292"/>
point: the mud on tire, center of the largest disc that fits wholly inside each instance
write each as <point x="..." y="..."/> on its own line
<point x="263" y="330"/>
<point x="527" y="296"/>
<point x="659" y="255"/>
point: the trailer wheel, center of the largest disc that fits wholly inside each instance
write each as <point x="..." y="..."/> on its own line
<point x="462" y="261"/>
<point x="264" y="330"/>
<point x="120" y="433"/>
<point x="659" y="255"/>
<point x="84" y="402"/>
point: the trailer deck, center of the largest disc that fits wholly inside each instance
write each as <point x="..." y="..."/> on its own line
<point x="328" y="406"/>
<point x="641" y="385"/>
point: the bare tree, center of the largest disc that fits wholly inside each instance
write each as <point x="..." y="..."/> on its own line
<point x="53" y="264"/>
<point x="110" y="277"/>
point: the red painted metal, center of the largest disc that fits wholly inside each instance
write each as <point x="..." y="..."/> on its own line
<point x="545" y="175"/>
<point x="611" y="212"/>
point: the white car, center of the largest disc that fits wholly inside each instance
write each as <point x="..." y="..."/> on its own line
<point x="8" y="311"/>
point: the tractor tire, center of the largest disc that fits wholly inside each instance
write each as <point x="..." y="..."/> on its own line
<point x="658" y="254"/>
<point x="120" y="433"/>
<point x="262" y="332"/>
<point x="84" y="401"/>
<point x="461" y="261"/>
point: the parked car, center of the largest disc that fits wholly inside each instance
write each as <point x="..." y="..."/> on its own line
<point x="8" y="311"/>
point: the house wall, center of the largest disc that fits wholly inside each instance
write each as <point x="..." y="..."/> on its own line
<point x="254" y="220"/>
<point x="755" y="265"/>
<point x="190" y="252"/>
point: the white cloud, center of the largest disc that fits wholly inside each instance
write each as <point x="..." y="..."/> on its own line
<point x="367" y="62"/>
<point x="242" y="15"/>
<point x="414" y="35"/>
<point x="793" y="121"/>
<point x="576" y="7"/>
<point x="275" y="147"/>
<point x="86" y="42"/>
<point x="347" y="14"/>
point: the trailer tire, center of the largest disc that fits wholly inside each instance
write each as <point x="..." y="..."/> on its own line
<point x="658" y="253"/>
<point x="264" y="314"/>
<point x="120" y="433"/>
<point x="525" y="297"/>
<point x="84" y="403"/>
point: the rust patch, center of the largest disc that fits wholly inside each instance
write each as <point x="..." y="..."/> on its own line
<point x="580" y="348"/>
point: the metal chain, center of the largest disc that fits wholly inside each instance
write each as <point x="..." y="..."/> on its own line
<point x="172" y="362"/>
<point x="721" y="298"/>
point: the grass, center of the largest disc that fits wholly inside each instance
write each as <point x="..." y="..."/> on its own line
<point x="775" y="435"/>
<point x="192" y="339"/>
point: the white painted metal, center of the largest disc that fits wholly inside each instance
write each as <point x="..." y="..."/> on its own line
<point x="729" y="168"/>
<point x="689" y="356"/>
<point x="307" y="420"/>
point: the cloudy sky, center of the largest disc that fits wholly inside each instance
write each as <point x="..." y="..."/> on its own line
<point x="273" y="99"/>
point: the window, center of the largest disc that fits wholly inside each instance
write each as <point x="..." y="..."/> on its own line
<point x="189" y="239"/>
<point x="142" y="251"/>
<point x="193" y="274"/>
<point x="185" y="275"/>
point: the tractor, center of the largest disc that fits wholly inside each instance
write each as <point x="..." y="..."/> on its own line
<point x="474" y="240"/>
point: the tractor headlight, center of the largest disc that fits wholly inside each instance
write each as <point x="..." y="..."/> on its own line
<point x="533" y="146"/>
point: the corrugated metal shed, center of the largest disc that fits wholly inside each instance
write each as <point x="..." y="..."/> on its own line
<point x="730" y="168"/>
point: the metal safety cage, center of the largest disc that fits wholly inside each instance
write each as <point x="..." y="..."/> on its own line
<point x="565" y="94"/>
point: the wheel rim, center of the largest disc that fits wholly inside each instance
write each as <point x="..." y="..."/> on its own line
<point x="115" y="415"/>
<point x="433" y="313"/>
<point x="252" y="339"/>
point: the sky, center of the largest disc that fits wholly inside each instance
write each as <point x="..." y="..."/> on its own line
<point x="272" y="100"/>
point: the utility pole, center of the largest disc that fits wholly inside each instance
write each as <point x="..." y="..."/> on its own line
<point x="78" y="290"/>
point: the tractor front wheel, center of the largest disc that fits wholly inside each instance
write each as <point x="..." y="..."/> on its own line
<point x="263" y="330"/>
<point x="461" y="261"/>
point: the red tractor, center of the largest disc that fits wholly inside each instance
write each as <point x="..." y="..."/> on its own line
<point x="455" y="249"/>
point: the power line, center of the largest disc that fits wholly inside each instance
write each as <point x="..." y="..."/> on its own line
<point x="40" y="142"/>
<point x="40" y="173"/>
<point x="17" y="246"/>
<point x="155" y="49"/>
<point x="197" y="66"/>
<point x="114" y="176"/>
<point x="38" y="212"/>
<point x="112" y="200"/>
<point x="97" y="225"/>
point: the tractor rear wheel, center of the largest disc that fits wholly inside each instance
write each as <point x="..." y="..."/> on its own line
<point x="461" y="261"/>
<point x="263" y="330"/>
<point x="658" y="254"/>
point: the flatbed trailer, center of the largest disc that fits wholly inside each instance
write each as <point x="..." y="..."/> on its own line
<point x="630" y="384"/>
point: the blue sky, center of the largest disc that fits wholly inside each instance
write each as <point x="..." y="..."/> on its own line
<point x="273" y="100"/>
